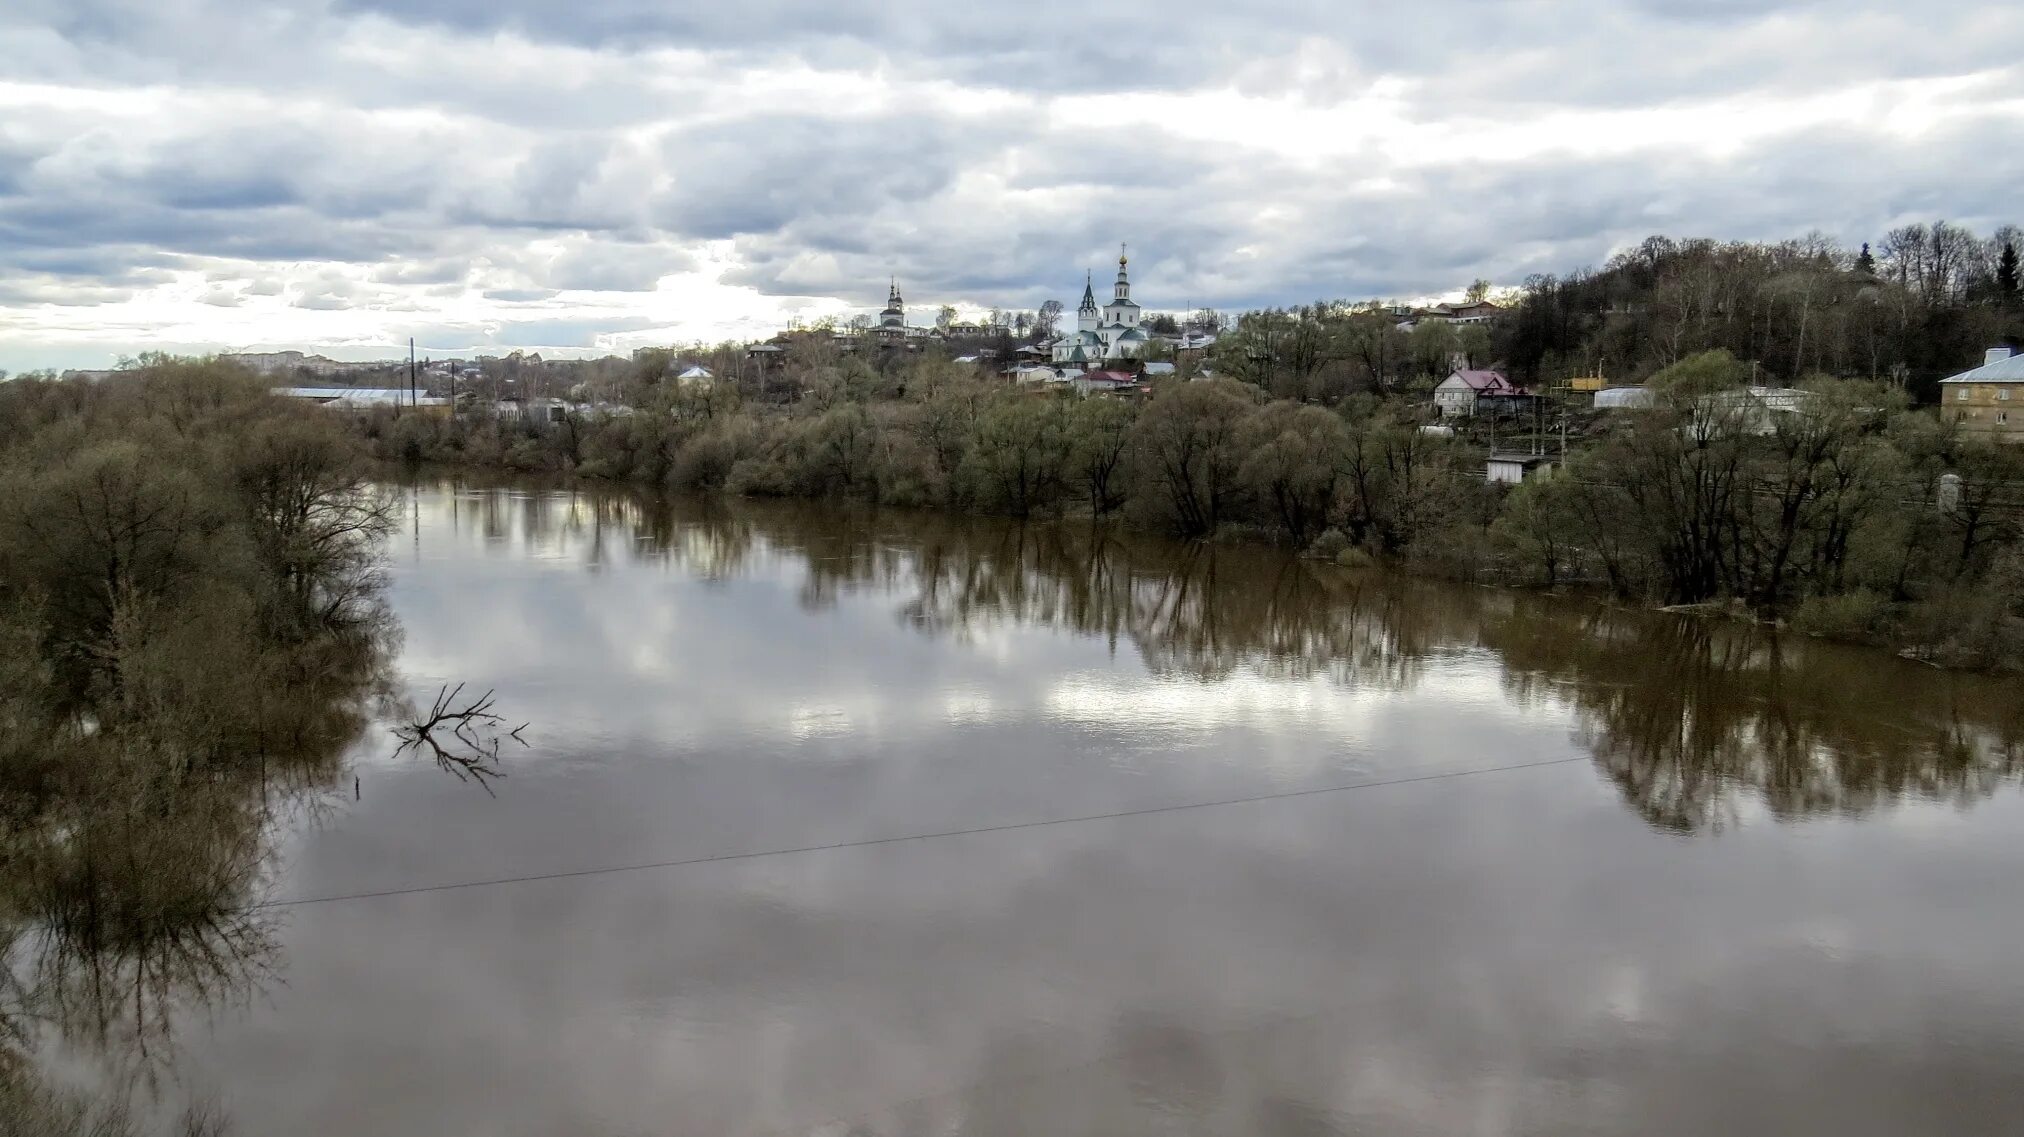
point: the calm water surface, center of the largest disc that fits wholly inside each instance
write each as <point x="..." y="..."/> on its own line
<point x="1722" y="884"/>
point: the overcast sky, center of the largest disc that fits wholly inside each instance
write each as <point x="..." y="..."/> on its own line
<point x="592" y="176"/>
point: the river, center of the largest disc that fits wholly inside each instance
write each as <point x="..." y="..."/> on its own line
<point x="967" y="827"/>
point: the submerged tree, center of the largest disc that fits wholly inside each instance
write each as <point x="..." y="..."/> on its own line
<point x="192" y="633"/>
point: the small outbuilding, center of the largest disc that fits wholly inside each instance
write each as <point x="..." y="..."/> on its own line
<point x="1510" y="469"/>
<point x="1624" y="399"/>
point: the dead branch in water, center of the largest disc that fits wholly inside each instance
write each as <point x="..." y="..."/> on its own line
<point x="469" y="748"/>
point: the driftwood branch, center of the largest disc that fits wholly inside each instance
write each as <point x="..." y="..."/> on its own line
<point x="463" y="740"/>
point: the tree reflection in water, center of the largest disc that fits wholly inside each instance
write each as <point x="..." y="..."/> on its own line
<point x="1693" y="721"/>
<point x="136" y="860"/>
<point x="124" y="900"/>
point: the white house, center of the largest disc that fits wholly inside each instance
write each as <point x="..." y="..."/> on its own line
<point x="1457" y="394"/>
<point x="695" y="376"/>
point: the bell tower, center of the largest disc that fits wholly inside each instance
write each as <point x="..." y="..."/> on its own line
<point x="895" y="314"/>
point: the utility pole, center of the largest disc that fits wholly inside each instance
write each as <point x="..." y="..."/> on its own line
<point x="411" y="373"/>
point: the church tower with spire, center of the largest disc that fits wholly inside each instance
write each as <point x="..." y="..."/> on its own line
<point x="1107" y="334"/>
<point x="1122" y="336"/>
<point x="1121" y="313"/>
<point x="895" y="314"/>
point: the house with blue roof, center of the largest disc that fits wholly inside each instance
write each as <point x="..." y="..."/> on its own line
<point x="1985" y="400"/>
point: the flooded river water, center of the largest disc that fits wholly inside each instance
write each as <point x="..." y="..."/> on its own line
<point x="932" y="826"/>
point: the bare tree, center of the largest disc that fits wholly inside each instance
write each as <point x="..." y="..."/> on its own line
<point x="463" y="740"/>
<point x="1934" y="261"/>
<point x="1048" y="320"/>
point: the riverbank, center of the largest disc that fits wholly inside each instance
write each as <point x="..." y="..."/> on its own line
<point x="1806" y="533"/>
<point x="1848" y="515"/>
<point x="1337" y="554"/>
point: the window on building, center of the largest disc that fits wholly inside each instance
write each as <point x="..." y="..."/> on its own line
<point x="2004" y="394"/>
<point x="1961" y="396"/>
<point x="2002" y="417"/>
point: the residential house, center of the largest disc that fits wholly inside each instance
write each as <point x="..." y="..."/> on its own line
<point x="1986" y="401"/>
<point x="965" y="329"/>
<point x="273" y="362"/>
<point x="1469" y="312"/>
<point x="1465" y="392"/>
<point x="1104" y="382"/>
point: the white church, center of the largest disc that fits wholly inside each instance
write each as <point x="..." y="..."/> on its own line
<point x="1106" y="334"/>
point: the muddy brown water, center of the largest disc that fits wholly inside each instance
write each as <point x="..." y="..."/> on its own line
<point x="1483" y="863"/>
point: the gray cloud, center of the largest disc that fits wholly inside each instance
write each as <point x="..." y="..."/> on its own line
<point x="607" y="266"/>
<point x="446" y="152"/>
<point x="762" y="174"/>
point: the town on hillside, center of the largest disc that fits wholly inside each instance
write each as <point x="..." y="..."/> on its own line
<point x="1519" y="370"/>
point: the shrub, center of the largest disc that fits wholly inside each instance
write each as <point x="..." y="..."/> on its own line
<point x="1330" y="545"/>
<point x="1860" y="616"/>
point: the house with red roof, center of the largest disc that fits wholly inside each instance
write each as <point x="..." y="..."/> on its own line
<point x="1462" y="393"/>
<point x="1104" y="383"/>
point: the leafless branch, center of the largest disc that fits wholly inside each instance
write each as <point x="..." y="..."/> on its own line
<point x="463" y="740"/>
